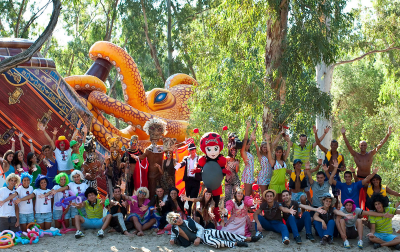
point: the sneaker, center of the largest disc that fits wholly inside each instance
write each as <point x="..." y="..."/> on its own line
<point x="397" y="247"/>
<point x="255" y="238"/>
<point x="377" y="245"/>
<point x="259" y="233"/>
<point x="241" y="244"/>
<point x="346" y="244"/>
<point x="324" y="240"/>
<point x="330" y="240"/>
<point x="79" y="234"/>
<point x="310" y="237"/>
<point x="298" y="239"/>
<point x="360" y="244"/>
<point x="100" y="233"/>
<point x="286" y="241"/>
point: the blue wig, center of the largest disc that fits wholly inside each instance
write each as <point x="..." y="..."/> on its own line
<point x="26" y="175"/>
<point x="39" y="178"/>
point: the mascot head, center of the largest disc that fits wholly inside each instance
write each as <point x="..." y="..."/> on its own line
<point x="134" y="142"/>
<point x="211" y="144"/>
<point x="115" y="145"/>
<point x="155" y="128"/>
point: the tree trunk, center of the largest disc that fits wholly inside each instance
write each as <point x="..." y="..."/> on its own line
<point x="276" y="35"/>
<point x="16" y="31"/>
<point x="324" y="75"/>
<point x="153" y="50"/>
<point x="47" y="47"/>
<point x="24" y="56"/>
<point x="170" y="50"/>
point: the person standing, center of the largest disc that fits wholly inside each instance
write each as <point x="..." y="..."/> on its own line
<point x="192" y="180"/>
<point x="232" y="181"/>
<point x="248" y="159"/>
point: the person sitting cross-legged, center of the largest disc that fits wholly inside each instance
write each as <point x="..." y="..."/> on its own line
<point x="353" y="228"/>
<point x="186" y="232"/>
<point x="381" y="228"/>
<point x="272" y="219"/>
<point x="296" y="223"/>
<point x="94" y="211"/>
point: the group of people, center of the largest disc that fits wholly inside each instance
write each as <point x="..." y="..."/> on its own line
<point x="151" y="201"/>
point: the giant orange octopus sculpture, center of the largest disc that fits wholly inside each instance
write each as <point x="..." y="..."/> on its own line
<point x="169" y="103"/>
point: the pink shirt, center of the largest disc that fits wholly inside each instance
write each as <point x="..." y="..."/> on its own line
<point x="134" y="206"/>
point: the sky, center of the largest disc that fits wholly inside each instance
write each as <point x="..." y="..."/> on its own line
<point x="59" y="31"/>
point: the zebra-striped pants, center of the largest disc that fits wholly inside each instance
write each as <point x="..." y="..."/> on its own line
<point x="91" y="183"/>
<point x="221" y="239"/>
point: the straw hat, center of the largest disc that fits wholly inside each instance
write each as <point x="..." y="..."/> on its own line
<point x="267" y="191"/>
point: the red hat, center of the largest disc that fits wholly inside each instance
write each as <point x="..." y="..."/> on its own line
<point x="62" y="139"/>
<point x="211" y="139"/>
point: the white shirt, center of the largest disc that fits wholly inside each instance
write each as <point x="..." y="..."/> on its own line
<point x="77" y="188"/>
<point x="25" y="207"/>
<point x="8" y="209"/>
<point x="64" y="159"/>
<point x="191" y="166"/>
<point x="58" y="196"/>
<point x="42" y="205"/>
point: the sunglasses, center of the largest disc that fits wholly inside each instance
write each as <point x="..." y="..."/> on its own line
<point x="142" y="192"/>
<point x="176" y="220"/>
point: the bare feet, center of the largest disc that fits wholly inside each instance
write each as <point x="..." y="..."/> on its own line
<point x="112" y="230"/>
<point x="140" y="233"/>
<point x="135" y="232"/>
<point x="129" y="234"/>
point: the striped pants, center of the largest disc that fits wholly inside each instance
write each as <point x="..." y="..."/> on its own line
<point x="221" y="239"/>
<point x="91" y="183"/>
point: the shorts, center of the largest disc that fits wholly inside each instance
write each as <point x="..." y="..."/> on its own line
<point x="385" y="237"/>
<point x="26" y="218"/>
<point x="8" y="223"/>
<point x="43" y="217"/>
<point x="351" y="232"/>
<point x="92" y="223"/>
<point x="58" y="213"/>
<point x="297" y="196"/>
<point x="74" y="211"/>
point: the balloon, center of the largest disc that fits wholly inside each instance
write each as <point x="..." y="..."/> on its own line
<point x="196" y="130"/>
<point x="225" y="128"/>
<point x="9" y="244"/>
<point x="255" y="187"/>
<point x="212" y="175"/>
<point x="78" y="200"/>
<point x="8" y="231"/>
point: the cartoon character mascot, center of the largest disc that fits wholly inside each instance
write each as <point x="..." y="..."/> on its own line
<point x="212" y="166"/>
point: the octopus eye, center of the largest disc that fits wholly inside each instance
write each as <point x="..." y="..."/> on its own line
<point x="160" y="97"/>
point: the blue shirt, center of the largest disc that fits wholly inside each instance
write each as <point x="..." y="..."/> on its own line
<point x="350" y="191"/>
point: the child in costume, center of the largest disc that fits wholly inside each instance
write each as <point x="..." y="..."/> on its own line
<point x="25" y="207"/>
<point x="92" y="166"/>
<point x="61" y="180"/>
<point x="211" y="145"/>
<point x="114" y="167"/>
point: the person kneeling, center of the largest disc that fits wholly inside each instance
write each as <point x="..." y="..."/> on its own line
<point x="94" y="212"/>
<point x="381" y="228"/>
<point x="186" y="232"/>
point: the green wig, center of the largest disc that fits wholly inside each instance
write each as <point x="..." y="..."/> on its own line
<point x="59" y="176"/>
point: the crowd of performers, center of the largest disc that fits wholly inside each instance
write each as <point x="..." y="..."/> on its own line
<point x="141" y="192"/>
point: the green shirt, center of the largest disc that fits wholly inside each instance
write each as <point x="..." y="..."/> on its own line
<point x="302" y="153"/>
<point x="35" y="174"/>
<point x="95" y="211"/>
<point x="79" y="156"/>
<point x="382" y="224"/>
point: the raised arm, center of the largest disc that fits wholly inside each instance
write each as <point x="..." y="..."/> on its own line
<point x="326" y="130"/>
<point x="43" y="129"/>
<point x="276" y="141"/>
<point x="332" y="181"/>
<point x="317" y="167"/>
<point x="31" y="145"/>
<point x="289" y="143"/>
<point x="20" y="135"/>
<point x="352" y="152"/>
<point x="85" y="131"/>
<point x="353" y="171"/>
<point x="383" y="141"/>
<point x="13" y="144"/>
<point x="246" y="137"/>
<point x="253" y="137"/>
<point x="176" y="156"/>
<point x="308" y="173"/>
<point x="369" y="177"/>
<point x="269" y="153"/>
<point x="318" y="141"/>
<point x="391" y="192"/>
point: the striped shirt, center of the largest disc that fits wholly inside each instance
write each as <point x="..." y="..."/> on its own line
<point x="382" y="224"/>
<point x="95" y="211"/>
<point x="302" y="153"/>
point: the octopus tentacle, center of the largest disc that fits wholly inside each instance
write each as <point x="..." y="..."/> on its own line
<point x="132" y="84"/>
<point x="175" y="128"/>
